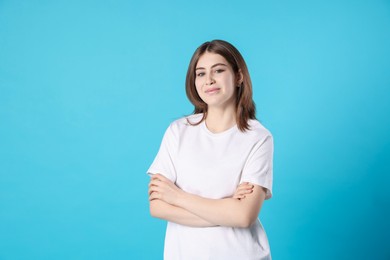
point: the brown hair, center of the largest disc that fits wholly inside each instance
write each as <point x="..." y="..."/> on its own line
<point x="245" y="107"/>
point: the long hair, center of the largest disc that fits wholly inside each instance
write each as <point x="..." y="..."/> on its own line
<point x="245" y="106"/>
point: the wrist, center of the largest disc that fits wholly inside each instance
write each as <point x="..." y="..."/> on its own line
<point x="181" y="198"/>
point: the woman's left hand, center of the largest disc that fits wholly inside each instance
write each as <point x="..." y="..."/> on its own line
<point x="163" y="189"/>
<point x="242" y="190"/>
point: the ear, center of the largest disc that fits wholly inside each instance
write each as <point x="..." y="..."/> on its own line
<point x="240" y="77"/>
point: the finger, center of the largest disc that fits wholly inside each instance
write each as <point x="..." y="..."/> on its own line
<point x="156" y="176"/>
<point x="156" y="183"/>
<point x="239" y="189"/>
<point x="154" y="196"/>
<point x="243" y="192"/>
<point x="246" y="186"/>
<point x="159" y="176"/>
<point x="152" y="183"/>
<point x="243" y="189"/>
<point x="154" y="189"/>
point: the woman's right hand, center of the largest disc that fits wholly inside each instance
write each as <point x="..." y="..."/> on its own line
<point x="242" y="190"/>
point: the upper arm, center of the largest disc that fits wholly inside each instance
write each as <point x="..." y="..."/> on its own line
<point x="258" y="168"/>
<point x="164" y="162"/>
<point x="251" y="205"/>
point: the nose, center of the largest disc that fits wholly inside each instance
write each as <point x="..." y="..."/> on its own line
<point x="209" y="79"/>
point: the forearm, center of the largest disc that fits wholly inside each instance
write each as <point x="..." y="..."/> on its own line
<point x="210" y="212"/>
<point x="224" y="212"/>
<point x="163" y="210"/>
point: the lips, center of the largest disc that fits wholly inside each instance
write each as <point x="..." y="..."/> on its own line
<point x="212" y="90"/>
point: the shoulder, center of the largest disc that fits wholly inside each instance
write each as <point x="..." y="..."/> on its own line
<point x="258" y="127"/>
<point x="258" y="131"/>
<point x="186" y="121"/>
<point x="183" y="123"/>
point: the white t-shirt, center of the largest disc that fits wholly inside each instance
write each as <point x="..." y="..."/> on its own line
<point x="212" y="165"/>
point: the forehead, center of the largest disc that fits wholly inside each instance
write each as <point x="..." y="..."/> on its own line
<point x="209" y="59"/>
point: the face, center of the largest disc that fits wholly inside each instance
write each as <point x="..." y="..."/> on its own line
<point x="215" y="81"/>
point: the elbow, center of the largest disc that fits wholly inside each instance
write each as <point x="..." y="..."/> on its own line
<point x="245" y="224"/>
<point x="246" y="221"/>
<point x="154" y="209"/>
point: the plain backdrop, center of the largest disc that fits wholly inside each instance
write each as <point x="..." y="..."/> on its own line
<point x="87" y="89"/>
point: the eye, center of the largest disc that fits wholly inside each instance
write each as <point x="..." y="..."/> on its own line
<point x="219" y="71"/>
<point x="200" y="74"/>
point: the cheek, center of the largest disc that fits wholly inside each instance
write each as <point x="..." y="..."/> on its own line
<point x="199" y="92"/>
<point x="197" y="85"/>
<point x="229" y="82"/>
<point x="197" y="81"/>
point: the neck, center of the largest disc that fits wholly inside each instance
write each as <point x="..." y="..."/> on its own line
<point x="219" y="120"/>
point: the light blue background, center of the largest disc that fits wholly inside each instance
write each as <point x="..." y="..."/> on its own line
<point x="87" y="89"/>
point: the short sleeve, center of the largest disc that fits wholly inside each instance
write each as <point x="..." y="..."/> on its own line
<point x="258" y="168"/>
<point x="164" y="162"/>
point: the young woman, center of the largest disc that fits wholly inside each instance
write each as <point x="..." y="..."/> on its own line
<point x="214" y="168"/>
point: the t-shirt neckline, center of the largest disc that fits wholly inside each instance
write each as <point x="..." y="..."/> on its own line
<point x="223" y="133"/>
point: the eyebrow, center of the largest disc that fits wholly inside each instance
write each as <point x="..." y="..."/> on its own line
<point x="215" y="65"/>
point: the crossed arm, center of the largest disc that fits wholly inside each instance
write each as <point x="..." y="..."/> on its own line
<point x="169" y="202"/>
